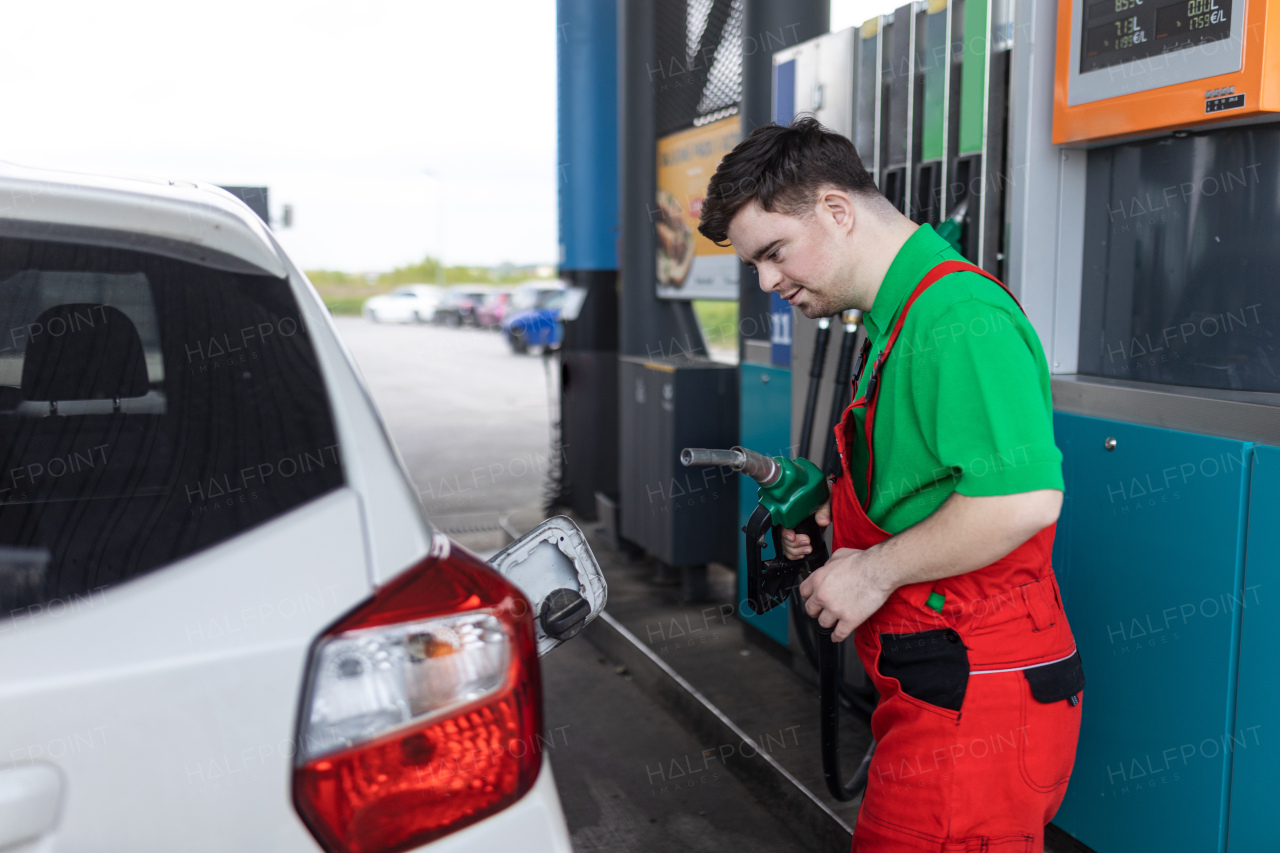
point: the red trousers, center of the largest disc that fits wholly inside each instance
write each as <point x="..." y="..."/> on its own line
<point x="985" y="778"/>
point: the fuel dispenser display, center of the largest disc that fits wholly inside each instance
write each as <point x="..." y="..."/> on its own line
<point x="1139" y="66"/>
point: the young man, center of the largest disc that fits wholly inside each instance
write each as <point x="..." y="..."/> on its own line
<point x="945" y="507"/>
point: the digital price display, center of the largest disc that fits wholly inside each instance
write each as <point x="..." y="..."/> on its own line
<point x="1117" y="31"/>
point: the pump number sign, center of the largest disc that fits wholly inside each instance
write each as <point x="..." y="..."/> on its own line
<point x="1116" y="31"/>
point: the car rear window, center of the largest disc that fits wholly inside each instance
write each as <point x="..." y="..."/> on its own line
<point x="149" y="408"/>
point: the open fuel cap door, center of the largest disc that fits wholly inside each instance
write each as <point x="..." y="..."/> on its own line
<point x="554" y="566"/>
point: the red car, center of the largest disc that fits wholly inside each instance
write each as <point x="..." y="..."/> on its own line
<point x="496" y="306"/>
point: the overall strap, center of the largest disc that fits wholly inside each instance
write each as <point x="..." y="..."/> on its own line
<point x="873" y="384"/>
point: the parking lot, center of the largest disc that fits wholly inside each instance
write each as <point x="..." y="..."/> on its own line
<point x="471" y="419"/>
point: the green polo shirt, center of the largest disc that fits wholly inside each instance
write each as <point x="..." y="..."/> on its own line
<point x="965" y="403"/>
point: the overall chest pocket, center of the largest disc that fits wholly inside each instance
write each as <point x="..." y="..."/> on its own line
<point x="931" y="666"/>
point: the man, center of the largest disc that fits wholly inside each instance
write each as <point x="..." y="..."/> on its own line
<point x="945" y="507"/>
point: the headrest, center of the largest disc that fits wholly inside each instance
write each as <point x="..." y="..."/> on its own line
<point x="81" y="351"/>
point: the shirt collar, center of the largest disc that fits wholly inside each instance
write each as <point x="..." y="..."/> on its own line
<point x="914" y="260"/>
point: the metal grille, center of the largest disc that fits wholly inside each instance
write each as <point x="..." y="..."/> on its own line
<point x="697" y="71"/>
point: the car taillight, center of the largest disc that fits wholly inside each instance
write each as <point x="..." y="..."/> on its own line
<point x="421" y="710"/>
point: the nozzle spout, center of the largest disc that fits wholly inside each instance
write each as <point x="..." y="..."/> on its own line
<point x="758" y="467"/>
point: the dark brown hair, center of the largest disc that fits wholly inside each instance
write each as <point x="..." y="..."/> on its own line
<point x="781" y="168"/>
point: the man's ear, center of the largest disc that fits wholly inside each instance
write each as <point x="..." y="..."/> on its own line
<point x="837" y="208"/>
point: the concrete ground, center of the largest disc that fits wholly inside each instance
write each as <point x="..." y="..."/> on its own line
<point x="472" y="422"/>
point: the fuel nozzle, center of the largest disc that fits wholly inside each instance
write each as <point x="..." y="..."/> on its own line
<point x="953" y="227"/>
<point x="790" y="493"/>
<point x="791" y="489"/>
<point x="757" y="466"/>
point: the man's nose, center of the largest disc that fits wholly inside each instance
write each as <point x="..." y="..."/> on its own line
<point x="769" y="279"/>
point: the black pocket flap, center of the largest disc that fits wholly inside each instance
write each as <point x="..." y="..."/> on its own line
<point x="932" y="666"/>
<point x="1057" y="681"/>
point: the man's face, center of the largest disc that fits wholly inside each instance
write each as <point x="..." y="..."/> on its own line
<point x="798" y="257"/>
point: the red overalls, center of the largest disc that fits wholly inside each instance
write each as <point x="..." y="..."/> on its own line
<point x="979" y="703"/>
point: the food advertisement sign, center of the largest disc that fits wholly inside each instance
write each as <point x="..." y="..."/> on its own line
<point x="689" y="265"/>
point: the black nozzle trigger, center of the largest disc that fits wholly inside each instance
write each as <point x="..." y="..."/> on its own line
<point x="815" y="559"/>
<point x="769" y="582"/>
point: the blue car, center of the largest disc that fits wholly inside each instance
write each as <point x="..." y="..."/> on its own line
<point x="538" y="324"/>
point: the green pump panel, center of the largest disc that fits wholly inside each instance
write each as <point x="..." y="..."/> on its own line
<point x="933" y="60"/>
<point x="978" y="174"/>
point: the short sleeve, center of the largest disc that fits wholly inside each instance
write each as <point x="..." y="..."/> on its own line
<point x="993" y="424"/>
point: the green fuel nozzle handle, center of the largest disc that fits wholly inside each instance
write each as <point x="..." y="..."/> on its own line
<point x="953" y="227"/>
<point x="790" y="492"/>
<point x="791" y="489"/>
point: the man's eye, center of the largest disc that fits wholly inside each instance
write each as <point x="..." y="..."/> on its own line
<point x="773" y="256"/>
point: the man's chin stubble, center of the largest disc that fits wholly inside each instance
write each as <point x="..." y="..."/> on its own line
<point x="814" y="312"/>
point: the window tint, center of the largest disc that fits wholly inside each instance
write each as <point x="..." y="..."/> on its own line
<point x="149" y="408"/>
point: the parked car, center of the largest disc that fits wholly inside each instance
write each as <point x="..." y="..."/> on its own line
<point x="494" y="308"/>
<point x="225" y="622"/>
<point x="459" y="305"/>
<point x="412" y="303"/>
<point x="537" y="324"/>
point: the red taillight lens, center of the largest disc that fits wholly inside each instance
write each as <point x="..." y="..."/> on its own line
<point x="421" y="711"/>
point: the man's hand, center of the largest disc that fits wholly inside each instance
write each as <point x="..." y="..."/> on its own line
<point x="796" y="545"/>
<point x="844" y="592"/>
<point x="963" y="534"/>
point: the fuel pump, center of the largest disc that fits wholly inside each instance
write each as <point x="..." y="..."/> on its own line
<point x="790" y="493"/>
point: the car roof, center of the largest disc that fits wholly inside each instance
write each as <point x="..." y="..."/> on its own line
<point x="183" y="219"/>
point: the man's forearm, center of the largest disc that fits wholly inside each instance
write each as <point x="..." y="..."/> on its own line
<point x="963" y="534"/>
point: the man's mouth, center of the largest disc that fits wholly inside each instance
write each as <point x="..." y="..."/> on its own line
<point x="792" y="295"/>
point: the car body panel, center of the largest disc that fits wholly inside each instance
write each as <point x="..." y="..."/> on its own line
<point x="398" y="533"/>
<point x="172" y="698"/>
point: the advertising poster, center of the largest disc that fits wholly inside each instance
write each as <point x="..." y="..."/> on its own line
<point x="689" y="265"/>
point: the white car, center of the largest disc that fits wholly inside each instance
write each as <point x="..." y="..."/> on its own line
<point x="412" y="303"/>
<point x="225" y="622"/>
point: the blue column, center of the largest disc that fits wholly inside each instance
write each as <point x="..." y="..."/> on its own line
<point x="587" y="124"/>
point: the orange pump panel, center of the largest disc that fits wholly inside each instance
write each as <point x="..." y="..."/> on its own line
<point x="1179" y="105"/>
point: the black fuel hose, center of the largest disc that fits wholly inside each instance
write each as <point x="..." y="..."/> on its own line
<point x="840" y="400"/>
<point x="829" y="693"/>
<point x="824" y="655"/>
<point x="820" y="340"/>
<point x="861" y="699"/>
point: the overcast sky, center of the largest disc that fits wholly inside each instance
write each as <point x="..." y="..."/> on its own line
<point x="368" y="118"/>
<point x="338" y="107"/>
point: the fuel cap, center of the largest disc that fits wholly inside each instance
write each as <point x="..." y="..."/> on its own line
<point x="563" y="613"/>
